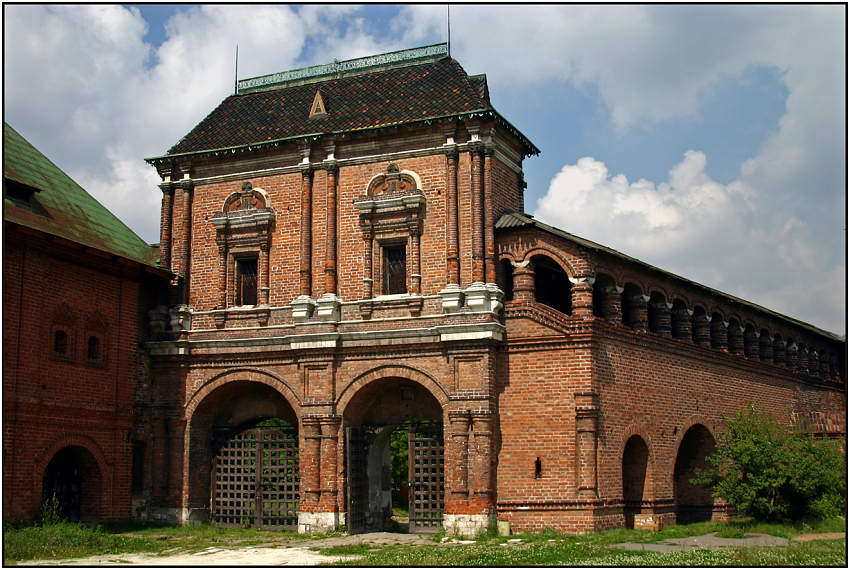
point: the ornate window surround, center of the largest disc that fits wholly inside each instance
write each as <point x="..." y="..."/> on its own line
<point x="243" y="230"/>
<point x="391" y="213"/>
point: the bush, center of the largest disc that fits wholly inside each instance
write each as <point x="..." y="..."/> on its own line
<point x="770" y="473"/>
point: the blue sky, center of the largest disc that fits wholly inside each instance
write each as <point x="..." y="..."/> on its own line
<point x="708" y="140"/>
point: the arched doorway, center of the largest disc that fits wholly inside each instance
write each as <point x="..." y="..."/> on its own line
<point x="394" y="458"/>
<point x="74" y="479"/>
<point x="243" y="458"/>
<point x="693" y="502"/>
<point x="635" y="464"/>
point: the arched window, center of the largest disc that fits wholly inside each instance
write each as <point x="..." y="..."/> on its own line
<point x="93" y="349"/>
<point x="552" y="287"/>
<point x="60" y="343"/>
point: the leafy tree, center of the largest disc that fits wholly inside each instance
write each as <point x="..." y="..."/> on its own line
<point x="771" y="473"/>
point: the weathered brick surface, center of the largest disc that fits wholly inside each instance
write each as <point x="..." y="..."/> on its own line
<point x="52" y="402"/>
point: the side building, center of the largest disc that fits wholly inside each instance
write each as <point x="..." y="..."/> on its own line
<point x="352" y="262"/>
<point x="76" y="283"/>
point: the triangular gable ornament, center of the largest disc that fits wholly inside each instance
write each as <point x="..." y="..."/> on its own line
<point x="317" y="109"/>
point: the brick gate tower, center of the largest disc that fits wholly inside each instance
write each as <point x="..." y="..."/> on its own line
<point x="351" y="260"/>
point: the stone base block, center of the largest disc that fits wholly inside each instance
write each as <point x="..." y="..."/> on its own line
<point x="648" y="522"/>
<point x="468" y="526"/>
<point x="318" y="522"/>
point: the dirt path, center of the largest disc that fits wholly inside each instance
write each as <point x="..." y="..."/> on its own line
<point x="293" y="552"/>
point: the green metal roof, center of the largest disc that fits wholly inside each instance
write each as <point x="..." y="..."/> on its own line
<point x="63" y="208"/>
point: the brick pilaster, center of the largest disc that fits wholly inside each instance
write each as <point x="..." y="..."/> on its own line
<point x="306" y="243"/>
<point x="489" y="222"/>
<point x="329" y="428"/>
<point x="523" y="282"/>
<point x="475" y="153"/>
<point x="310" y="464"/>
<point x="330" y="243"/>
<point x="167" y="188"/>
<point x="452" y="260"/>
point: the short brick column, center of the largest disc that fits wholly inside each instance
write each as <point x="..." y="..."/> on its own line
<point x="582" y="296"/>
<point x="523" y="282"/>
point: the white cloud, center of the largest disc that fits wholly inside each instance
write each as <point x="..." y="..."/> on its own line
<point x="700" y="229"/>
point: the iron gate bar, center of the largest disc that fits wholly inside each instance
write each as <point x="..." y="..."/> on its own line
<point x="256" y="480"/>
<point x="427" y="480"/>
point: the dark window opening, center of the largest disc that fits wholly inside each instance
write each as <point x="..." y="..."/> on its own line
<point x="246" y="281"/>
<point x="93" y="352"/>
<point x="552" y="287"/>
<point x="60" y="343"/>
<point x="138" y="475"/>
<point x="395" y="270"/>
<point x="506" y="279"/>
<point x="538" y="468"/>
<point x="20" y="193"/>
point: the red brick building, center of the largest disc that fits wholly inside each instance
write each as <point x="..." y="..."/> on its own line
<point x="75" y="282"/>
<point x="352" y="259"/>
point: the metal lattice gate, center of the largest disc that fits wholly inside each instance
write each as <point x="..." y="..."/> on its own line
<point x="357" y="489"/>
<point x="426" y="480"/>
<point x="255" y="480"/>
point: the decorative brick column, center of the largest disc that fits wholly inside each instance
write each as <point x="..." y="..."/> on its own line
<point x="681" y="324"/>
<point x="702" y="330"/>
<point x="779" y="351"/>
<point x="457" y="482"/>
<point x="489" y="222"/>
<point x="735" y="334"/>
<point x="167" y="188"/>
<point x="330" y="242"/>
<point x="306" y="244"/>
<point x="793" y="357"/>
<point x="452" y="260"/>
<point x="587" y="414"/>
<point x="582" y="296"/>
<point x="523" y="281"/>
<point x="751" y="343"/>
<point x="612" y="308"/>
<point x="263" y="267"/>
<point x="222" y="272"/>
<point x="765" y="348"/>
<point x="368" y="238"/>
<point x="823" y="369"/>
<point x="720" y="334"/>
<point x="414" y="268"/>
<point x="663" y="319"/>
<point x="329" y="427"/>
<point x="480" y="509"/>
<point x="476" y="150"/>
<point x="639" y="316"/>
<point x="310" y="464"/>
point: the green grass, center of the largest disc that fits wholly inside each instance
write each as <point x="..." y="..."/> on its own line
<point x="550" y="548"/>
<point x="346" y="549"/>
<point x="68" y="540"/>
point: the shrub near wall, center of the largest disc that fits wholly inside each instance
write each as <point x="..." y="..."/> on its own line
<point x="770" y="473"/>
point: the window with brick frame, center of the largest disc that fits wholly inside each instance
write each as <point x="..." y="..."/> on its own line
<point x="93" y="351"/>
<point x="394" y="269"/>
<point x="61" y="344"/>
<point x="246" y="281"/>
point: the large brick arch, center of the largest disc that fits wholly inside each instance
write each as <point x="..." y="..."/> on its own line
<point x="392" y="371"/>
<point x="89" y="444"/>
<point x="244" y="375"/>
<point x="642" y="431"/>
<point x="559" y="257"/>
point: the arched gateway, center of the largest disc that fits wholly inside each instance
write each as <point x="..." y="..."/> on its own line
<point x="243" y="458"/>
<point x="394" y="457"/>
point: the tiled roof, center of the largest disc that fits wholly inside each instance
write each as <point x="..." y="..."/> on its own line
<point x="516" y="220"/>
<point x="388" y="97"/>
<point x="62" y="207"/>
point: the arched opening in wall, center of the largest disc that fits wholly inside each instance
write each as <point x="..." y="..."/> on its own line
<point x="603" y="289"/>
<point x="394" y="458"/>
<point x="505" y="277"/>
<point x="658" y="315"/>
<point x="552" y="287"/>
<point x="635" y="477"/>
<point x="631" y="305"/>
<point x="693" y="502"/>
<point x="243" y="458"/>
<point x="680" y="321"/>
<point x="72" y="484"/>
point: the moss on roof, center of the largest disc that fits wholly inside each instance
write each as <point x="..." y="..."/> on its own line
<point x="63" y="208"/>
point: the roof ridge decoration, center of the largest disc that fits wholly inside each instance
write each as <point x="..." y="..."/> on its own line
<point x="337" y="69"/>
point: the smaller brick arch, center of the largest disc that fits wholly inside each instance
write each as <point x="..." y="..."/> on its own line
<point x="244" y="375"/>
<point x="391" y="371"/>
<point x="693" y="445"/>
<point x="87" y="443"/>
<point x="555" y="255"/>
<point x="258" y="198"/>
